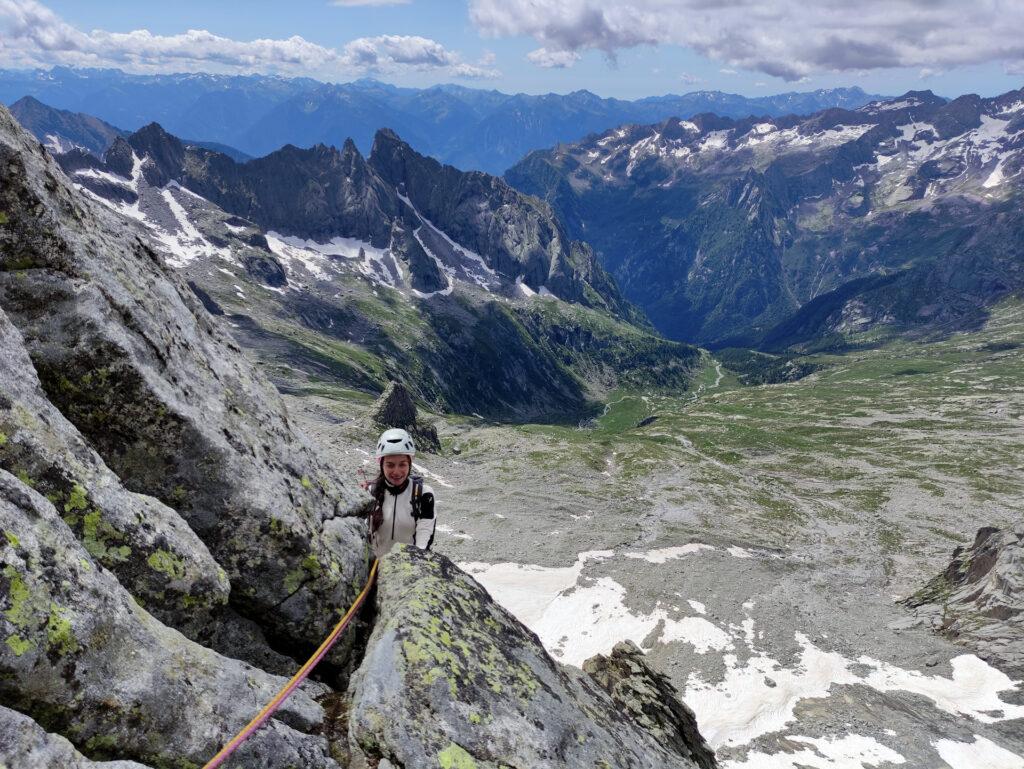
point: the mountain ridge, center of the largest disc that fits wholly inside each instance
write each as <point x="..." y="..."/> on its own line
<point x="744" y="222"/>
<point x="467" y="127"/>
<point x="331" y="272"/>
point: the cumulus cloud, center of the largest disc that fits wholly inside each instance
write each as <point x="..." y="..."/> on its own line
<point x="790" y="39"/>
<point x="32" y="35"/>
<point x="690" y="79"/>
<point x="542" y="57"/>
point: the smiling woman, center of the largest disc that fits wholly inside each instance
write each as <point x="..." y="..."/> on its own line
<point x="403" y="510"/>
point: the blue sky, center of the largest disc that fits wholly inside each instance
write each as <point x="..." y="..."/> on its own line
<point x="627" y="50"/>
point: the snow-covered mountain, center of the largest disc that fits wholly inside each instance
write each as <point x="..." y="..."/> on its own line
<point x="752" y="220"/>
<point x="357" y="271"/>
<point x="466" y="127"/>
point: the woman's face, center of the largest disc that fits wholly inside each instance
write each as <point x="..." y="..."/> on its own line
<point x="396" y="468"/>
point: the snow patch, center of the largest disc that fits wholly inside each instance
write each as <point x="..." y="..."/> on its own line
<point x="852" y="751"/>
<point x="577" y="617"/>
<point x="670" y="553"/>
<point x="977" y="754"/>
<point x="103" y="176"/>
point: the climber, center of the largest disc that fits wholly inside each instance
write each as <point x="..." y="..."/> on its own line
<point x="403" y="509"/>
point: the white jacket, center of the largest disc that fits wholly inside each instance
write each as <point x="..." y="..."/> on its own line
<point x="399" y="525"/>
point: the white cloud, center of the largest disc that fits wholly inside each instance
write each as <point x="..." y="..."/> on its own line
<point x="383" y="52"/>
<point x="542" y="57"/>
<point x="690" y="79"/>
<point x="32" y="35"/>
<point x="785" y="38"/>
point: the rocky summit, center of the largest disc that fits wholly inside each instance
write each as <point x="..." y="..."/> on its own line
<point x="900" y="215"/>
<point x="171" y="546"/>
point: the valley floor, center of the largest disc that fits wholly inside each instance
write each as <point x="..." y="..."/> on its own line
<point x="755" y="542"/>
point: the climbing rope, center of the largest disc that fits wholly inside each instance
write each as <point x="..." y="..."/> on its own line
<point x="296" y="679"/>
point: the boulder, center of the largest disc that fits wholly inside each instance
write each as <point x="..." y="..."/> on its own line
<point x="24" y="743"/>
<point x="83" y="659"/>
<point x="146" y="544"/>
<point x="650" y="698"/>
<point x="450" y="678"/>
<point x="128" y="355"/>
<point x="396" y="408"/>
<point x="979" y="599"/>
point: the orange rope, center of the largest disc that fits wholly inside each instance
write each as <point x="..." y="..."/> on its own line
<point x="297" y="679"/>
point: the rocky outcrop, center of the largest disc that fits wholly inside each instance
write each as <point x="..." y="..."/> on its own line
<point x="979" y="599"/>
<point x="652" y="700"/>
<point x="451" y="678"/>
<point x="23" y="743"/>
<point x="145" y="543"/>
<point x="128" y="355"/>
<point x="83" y="659"/>
<point x="395" y="408"/>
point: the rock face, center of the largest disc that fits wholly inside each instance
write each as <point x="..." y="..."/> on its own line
<point x="81" y="657"/>
<point x="651" y="700"/>
<point x="129" y="356"/>
<point x="395" y="408"/>
<point x="520" y="235"/>
<point x="451" y="679"/>
<point x="145" y="543"/>
<point x="979" y="599"/>
<point x="23" y="743"/>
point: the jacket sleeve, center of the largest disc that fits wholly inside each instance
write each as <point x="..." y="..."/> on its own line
<point x="424" y="537"/>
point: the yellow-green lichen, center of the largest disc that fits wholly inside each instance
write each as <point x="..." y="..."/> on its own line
<point x="22" y="609"/>
<point x="59" y="633"/>
<point x="455" y="757"/>
<point x="3" y="439"/>
<point x="306" y="483"/>
<point x="309" y="568"/>
<point x="19" y="645"/>
<point x="100" y="538"/>
<point x="430" y="644"/>
<point x="167" y="563"/>
<point x="12" y="538"/>
<point x="76" y="500"/>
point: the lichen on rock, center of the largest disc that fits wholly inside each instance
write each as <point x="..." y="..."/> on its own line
<point x="452" y="679"/>
<point x="84" y="660"/>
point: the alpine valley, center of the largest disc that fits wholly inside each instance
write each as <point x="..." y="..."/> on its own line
<point x="792" y="231"/>
<point x="730" y="418"/>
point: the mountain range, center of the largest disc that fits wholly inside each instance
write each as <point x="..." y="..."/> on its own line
<point x="342" y="270"/>
<point x="800" y="231"/>
<point x="472" y="129"/>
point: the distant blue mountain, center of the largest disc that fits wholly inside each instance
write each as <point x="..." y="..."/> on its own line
<point x="473" y="129"/>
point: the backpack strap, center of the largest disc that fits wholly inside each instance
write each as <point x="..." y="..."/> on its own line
<point x="417" y="492"/>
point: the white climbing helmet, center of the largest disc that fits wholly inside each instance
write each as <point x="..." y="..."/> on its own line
<point x="395" y="441"/>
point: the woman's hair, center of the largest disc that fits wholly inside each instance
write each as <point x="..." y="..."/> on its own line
<point x="377" y="487"/>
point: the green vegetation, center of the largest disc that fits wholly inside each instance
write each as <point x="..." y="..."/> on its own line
<point x="928" y="418"/>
